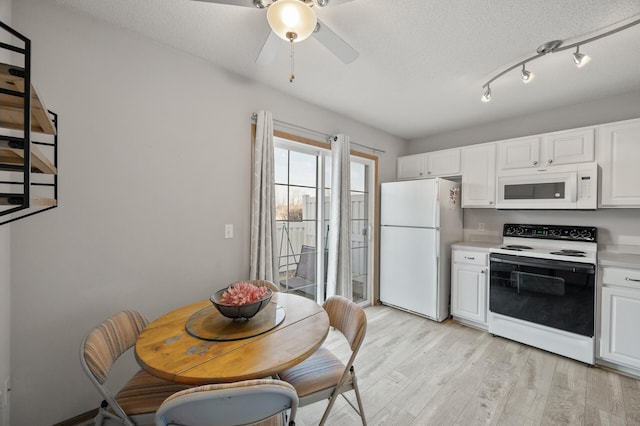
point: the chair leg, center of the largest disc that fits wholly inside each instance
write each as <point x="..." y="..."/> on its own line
<point x="337" y="392"/>
<point x="357" y="391"/>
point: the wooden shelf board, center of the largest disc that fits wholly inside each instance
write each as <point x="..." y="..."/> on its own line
<point x="5" y="200"/>
<point x="11" y="107"/>
<point x="14" y="156"/>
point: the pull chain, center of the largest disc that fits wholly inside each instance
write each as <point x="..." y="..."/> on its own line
<point x="292" y="36"/>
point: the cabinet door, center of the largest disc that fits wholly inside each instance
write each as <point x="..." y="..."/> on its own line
<point x="443" y="163"/>
<point x="619" y="157"/>
<point x="469" y="292"/>
<point x="479" y="176"/>
<point x="620" y="318"/>
<point x="518" y="153"/>
<point x="411" y="166"/>
<point x="573" y="146"/>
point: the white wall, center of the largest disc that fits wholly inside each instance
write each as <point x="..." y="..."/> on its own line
<point x="154" y="159"/>
<point x="616" y="226"/>
<point x="5" y="261"/>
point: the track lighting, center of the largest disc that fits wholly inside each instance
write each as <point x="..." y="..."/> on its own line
<point x="487" y="95"/>
<point x="527" y="76"/>
<point x="580" y="59"/>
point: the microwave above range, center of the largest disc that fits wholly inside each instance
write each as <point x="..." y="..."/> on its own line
<point x="572" y="186"/>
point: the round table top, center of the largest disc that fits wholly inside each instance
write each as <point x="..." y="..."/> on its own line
<point x="165" y="349"/>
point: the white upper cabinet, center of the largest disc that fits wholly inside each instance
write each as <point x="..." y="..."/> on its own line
<point x="566" y="147"/>
<point x="569" y="147"/>
<point x="430" y="164"/>
<point x="411" y="166"/>
<point x="519" y="153"/>
<point x="618" y="155"/>
<point x="479" y="176"/>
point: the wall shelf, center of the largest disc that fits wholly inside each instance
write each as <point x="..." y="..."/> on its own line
<point x="28" y="138"/>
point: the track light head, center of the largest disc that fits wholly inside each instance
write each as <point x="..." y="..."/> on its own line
<point x="486" y="97"/>
<point x="527" y="76"/>
<point x="580" y="59"/>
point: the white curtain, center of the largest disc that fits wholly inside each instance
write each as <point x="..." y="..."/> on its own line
<point x="339" y="239"/>
<point x="264" y="263"/>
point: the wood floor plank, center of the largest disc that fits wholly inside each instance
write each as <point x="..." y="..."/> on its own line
<point x="530" y="391"/>
<point x="631" y="398"/>
<point x="446" y="405"/>
<point x="604" y="399"/>
<point x="497" y="383"/>
<point x="566" y="400"/>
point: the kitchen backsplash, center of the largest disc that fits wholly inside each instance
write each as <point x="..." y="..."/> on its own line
<point x="616" y="227"/>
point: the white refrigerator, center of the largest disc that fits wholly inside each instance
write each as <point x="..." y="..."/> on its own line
<point x="419" y="220"/>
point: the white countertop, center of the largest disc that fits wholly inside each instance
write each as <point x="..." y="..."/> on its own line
<point x="619" y="260"/>
<point x="475" y="245"/>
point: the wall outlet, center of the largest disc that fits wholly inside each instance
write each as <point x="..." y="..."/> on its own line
<point x="481" y="226"/>
<point x="228" y="231"/>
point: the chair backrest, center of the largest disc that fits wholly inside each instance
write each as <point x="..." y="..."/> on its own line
<point x="108" y="341"/>
<point x="229" y="404"/>
<point x="264" y="283"/>
<point x="306" y="267"/>
<point x="348" y="317"/>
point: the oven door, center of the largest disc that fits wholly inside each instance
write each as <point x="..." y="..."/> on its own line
<point x="553" y="293"/>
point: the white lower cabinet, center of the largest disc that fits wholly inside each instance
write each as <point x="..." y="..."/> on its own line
<point x="620" y="316"/>
<point x="469" y="277"/>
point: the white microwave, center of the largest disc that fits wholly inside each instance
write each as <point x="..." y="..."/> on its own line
<point x="571" y="186"/>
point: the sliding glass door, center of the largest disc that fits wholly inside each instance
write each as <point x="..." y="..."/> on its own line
<point x="303" y="176"/>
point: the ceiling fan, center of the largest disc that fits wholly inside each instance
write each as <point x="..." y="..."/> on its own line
<point x="279" y="15"/>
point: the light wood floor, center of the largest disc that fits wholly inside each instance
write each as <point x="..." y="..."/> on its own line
<point x="413" y="371"/>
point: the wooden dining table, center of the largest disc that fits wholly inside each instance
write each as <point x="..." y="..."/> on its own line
<point x="196" y="345"/>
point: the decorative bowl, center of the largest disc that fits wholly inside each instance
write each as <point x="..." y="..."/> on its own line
<point x="247" y="311"/>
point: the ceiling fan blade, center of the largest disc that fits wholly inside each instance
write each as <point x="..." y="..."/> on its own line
<point x="269" y="49"/>
<point x="245" y="3"/>
<point x="335" y="44"/>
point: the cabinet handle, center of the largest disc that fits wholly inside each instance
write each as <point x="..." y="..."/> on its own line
<point x="482" y="272"/>
<point x="535" y="163"/>
<point x="490" y="202"/>
<point x="549" y="161"/>
<point x="632" y="279"/>
<point x="470" y="258"/>
<point x="428" y="173"/>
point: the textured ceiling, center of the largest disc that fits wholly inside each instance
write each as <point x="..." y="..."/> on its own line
<point x="422" y="63"/>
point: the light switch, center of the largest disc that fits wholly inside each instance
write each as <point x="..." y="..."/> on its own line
<point x="228" y="231"/>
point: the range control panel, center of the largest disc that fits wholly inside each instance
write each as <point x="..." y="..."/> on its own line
<point x="551" y="232"/>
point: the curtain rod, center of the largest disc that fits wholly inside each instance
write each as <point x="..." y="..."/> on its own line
<point x="327" y="137"/>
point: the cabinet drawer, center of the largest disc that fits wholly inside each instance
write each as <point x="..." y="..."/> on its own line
<point x="471" y="257"/>
<point x="621" y="277"/>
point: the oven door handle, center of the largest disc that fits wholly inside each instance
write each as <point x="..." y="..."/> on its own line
<point x="545" y="263"/>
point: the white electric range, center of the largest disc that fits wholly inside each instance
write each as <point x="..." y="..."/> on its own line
<point x="542" y="288"/>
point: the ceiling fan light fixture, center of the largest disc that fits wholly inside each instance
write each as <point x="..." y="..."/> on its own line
<point x="291" y="17"/>
<point x="527" y="76"/>
<point x="580" y="59"/>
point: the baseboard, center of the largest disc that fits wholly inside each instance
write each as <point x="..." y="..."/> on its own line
<point x="80" y="419"/>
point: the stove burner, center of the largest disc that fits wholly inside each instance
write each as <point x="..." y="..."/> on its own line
<point x="570" y="251"/>
<point x="516" y="247"/>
